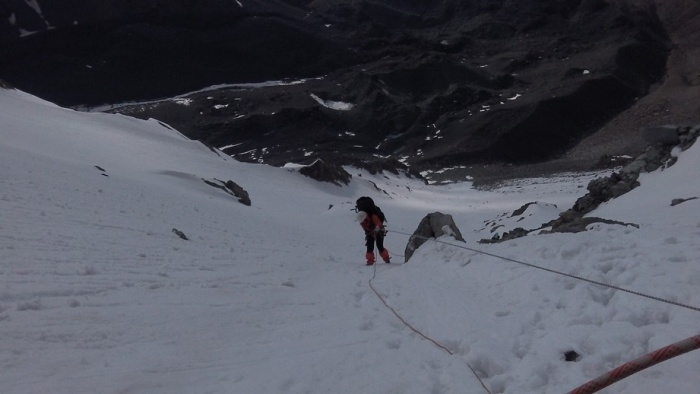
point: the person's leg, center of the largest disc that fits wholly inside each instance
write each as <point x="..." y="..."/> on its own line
<point x="382" y="251"/>
<point x="370" y="249"/>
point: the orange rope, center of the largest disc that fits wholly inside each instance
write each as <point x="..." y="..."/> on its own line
<point x="639" y="364"/>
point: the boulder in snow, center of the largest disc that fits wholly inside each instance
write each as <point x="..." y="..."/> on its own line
<point x="433" y="225"/>
<point x="180" y="234"/>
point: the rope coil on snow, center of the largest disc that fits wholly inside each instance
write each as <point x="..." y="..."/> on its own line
<point x="691" y="307"/>
<point x="415" y="330"/>
<point x="639" y="364"/>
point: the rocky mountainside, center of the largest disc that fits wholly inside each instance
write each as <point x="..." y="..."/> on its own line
<point x="372" y="82"/>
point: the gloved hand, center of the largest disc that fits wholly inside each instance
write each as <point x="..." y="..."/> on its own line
<point x="380" y="230"/>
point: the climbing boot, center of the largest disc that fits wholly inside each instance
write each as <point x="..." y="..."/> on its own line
<point x="370" y="258"/>
<point x="385" y="256"/>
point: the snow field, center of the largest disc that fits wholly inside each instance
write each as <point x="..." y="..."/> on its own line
<point x="98" y="295"/>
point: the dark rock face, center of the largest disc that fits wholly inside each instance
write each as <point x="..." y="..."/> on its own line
<point x="231" y="188"/>
<point x="239" y="192"/>
<point x="432" y="83"/>
<point x="325" y="172"/>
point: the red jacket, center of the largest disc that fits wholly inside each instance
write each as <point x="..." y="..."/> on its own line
<point x="371" y="222"/>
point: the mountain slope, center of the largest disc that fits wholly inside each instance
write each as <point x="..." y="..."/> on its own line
<point x="432" y="84"/>
<point x="99" y="294"/>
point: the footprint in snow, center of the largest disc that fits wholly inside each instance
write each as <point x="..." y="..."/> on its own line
<point x="393" y="344"/>
<point x="502" y="313"/>
<point x="359" y="295"/>
<point x="367" y="325"/>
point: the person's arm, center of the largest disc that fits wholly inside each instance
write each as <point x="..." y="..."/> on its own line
<point x="365" y="224"/>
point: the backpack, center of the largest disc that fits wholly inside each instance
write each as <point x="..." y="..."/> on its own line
<point x="366" y="204"/>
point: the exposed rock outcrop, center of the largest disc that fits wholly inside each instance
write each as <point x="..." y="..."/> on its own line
<point x="659" y="155"/>
<point x="231" y="188"/>
<point x="239" y="192"/>
<point x="677" y="201"/>
<point x="604" y="189"/>
<point x="324" y="171"/>
<point x="656" y="156"/>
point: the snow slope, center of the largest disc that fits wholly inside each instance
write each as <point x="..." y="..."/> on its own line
<point x="99" y="296"/>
